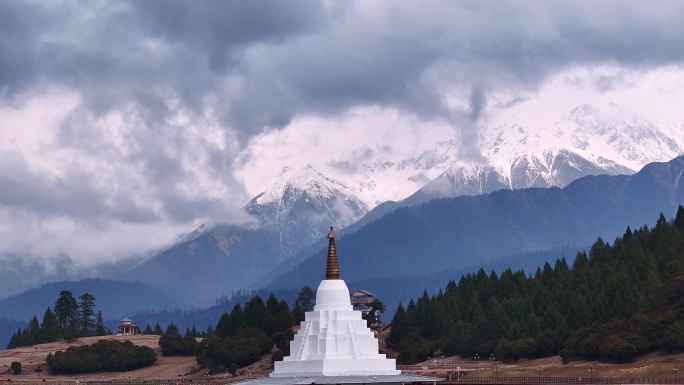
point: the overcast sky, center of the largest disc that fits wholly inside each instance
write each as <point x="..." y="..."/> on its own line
<point x="123" y="124"/>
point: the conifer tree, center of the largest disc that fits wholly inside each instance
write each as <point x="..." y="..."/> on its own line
<point x="87" y="312"/>
<point x="303" y="303"/>
<point x="100" y="329"/>
<point x="400" y="327"/>
<point x="49" y="327"/>
<point x="679" y="219"/>
<point x="33" y="333"/>
<point x="66" y="310"/>
<point x="172" y="331"/>
<point x="256" y="314"/>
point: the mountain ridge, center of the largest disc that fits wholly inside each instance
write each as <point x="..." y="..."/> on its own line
<point x="424" y="238"/>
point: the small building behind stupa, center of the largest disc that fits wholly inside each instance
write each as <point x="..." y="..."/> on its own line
<point x="333" y="344"/>
<point x="361" y="300"/>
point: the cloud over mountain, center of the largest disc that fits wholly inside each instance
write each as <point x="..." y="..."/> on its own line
<point x="121" y="116"/>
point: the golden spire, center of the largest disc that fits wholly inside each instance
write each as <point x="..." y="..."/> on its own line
<point x="332" y="269"/>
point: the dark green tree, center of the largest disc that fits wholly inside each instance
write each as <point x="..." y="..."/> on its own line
<point x="86" y="308"/>
<point x="100" y="329"/>
<point x="49" y="327"/>
<point x="679" y="219"/>
<point x="304" y="302"/>
<point x="256" y="314"/>
<point x="66" y="310"/>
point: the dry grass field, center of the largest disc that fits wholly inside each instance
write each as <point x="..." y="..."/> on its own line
<point x="34" y="367"/>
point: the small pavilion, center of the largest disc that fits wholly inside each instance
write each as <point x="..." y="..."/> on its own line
<point x="333" y="344"/>
<point x="127" y="327"/>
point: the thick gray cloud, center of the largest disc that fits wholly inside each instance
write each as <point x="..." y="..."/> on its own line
<point x="245" y="67"/>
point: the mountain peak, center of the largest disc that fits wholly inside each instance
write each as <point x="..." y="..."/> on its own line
<point x="298" y="180"/>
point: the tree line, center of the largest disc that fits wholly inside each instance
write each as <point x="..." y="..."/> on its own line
<point x="614" y="303"/>
<point x="71" y="318"/>
<point x="242" y="336"/>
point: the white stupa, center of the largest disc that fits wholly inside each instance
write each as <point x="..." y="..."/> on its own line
<point x="333" y="344"/>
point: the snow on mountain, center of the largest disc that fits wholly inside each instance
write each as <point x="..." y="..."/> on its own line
<point x="302" y="202"/>
<point x="588" y="142"/>
<point x="294" y="210"/>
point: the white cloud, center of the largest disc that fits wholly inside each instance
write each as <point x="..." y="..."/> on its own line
<point x="123" y="124"/>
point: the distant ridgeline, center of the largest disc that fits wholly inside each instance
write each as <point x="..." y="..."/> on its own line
<point x="615" y="303"/>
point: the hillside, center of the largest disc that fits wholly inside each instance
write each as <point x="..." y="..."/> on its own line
<point x="35" y="369"/>
<point x="452" y="233"/>
<point x="614" y="303"/>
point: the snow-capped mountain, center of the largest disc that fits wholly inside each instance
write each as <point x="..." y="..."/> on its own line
<point x="216" y="259"/>
<point x="302" y="203"/>
<point x="294" y="210"/>
<point x="588" y="142"/>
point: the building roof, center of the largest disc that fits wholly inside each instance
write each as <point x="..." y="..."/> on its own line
<point x="126" y="319"/>
<point x="361" y="292"/>
<point x="304" y="380"/>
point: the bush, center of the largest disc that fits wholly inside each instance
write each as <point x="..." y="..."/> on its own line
<point x="520" y="348"/>
<point x="178" y="346"/>
<point x="232" y="369"/>
<point x="566" y="356"/>
<point x="278" y="355"/>
<point x="420" y="351"/>
<point x="243" y="349"/>
<point x="104" y="355"/>
<point x="15" y="367"/>
<point x="617" y="349"/>
<point x="673" y="339"/>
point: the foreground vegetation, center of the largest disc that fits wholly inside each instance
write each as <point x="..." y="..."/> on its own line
<point x="243" y="336"/>
<point x="104" y="355"/>
<point x="615" y="303"/>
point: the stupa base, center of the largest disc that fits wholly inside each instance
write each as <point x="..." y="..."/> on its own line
<point x="348" y="379"/>
<point x="335" y="367"/>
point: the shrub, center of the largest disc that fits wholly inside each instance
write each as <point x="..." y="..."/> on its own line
<point x="617" y="349"/>
<point x="243" y="349"/>
<point x="673" y="339"/>
<point x="15" y="367"/>
<point x="566" y="356"/>
<point x="420" y="351"/>
<point x="278" y="355"/>
<point x="175" y="345"/>
<point x="104" y="355"/>
<point x="232" y="369"/>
